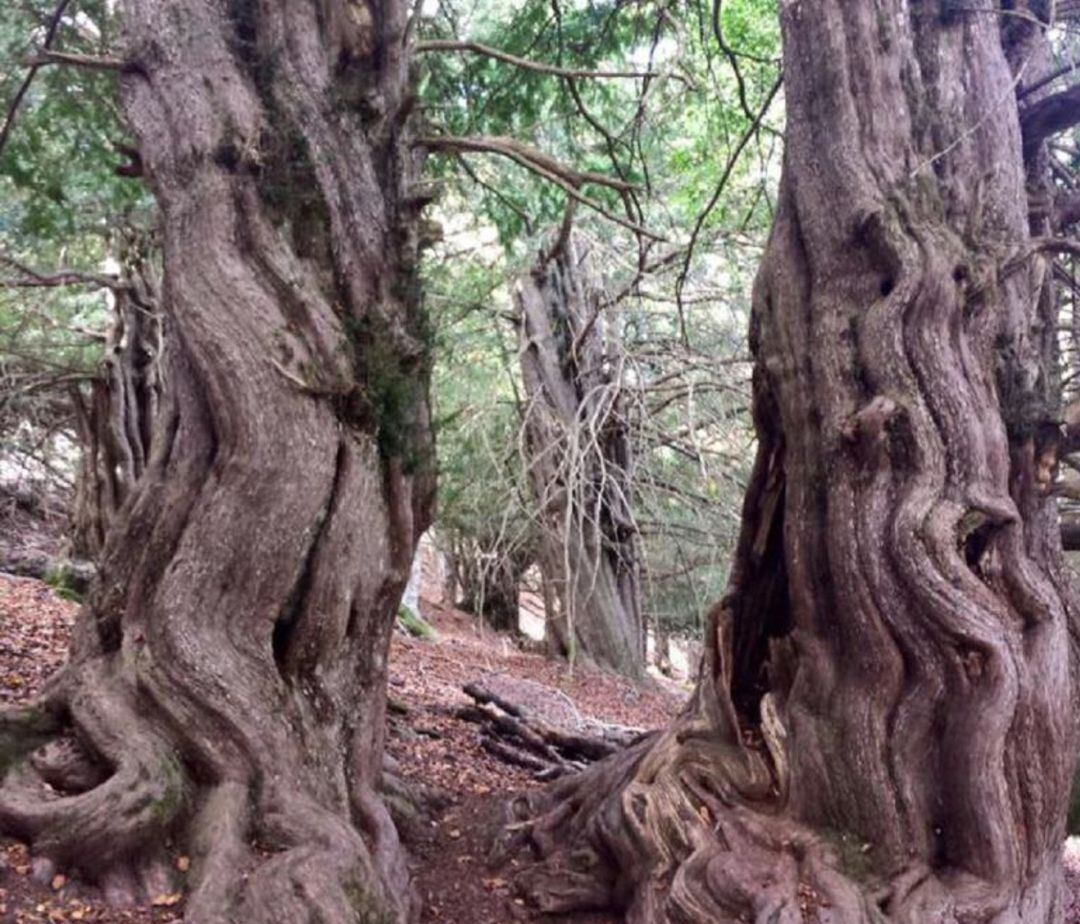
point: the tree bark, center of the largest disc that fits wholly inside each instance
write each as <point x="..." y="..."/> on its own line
<point x="490" y="579"/>
<point x="580" y="464"/>
<point x="884" y="724"/>
<point x="115" y="422"/>
<point x="226" y="686"/>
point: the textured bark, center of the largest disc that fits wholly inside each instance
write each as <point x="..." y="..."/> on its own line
<point x="115" y="421"/>
<point x="580" y="465"/>
<point x="884" y="724"/>
<point x="226" y="687"/>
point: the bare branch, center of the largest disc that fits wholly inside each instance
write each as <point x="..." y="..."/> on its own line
<point x="31" y="278"/>
<point x="87" y="62"/>
<point x="522" y="153"/>
<point x="543" y="165"/>
<point x="1048" y="117"/>
<point x="729" y="167"/>
<point x="16" y="101"/>
<point x="537" y="66"/>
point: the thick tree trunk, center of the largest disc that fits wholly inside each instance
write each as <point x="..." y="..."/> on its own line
<point x="580" y="464"/>
<point x="116" y="420"/>
<point x="884" y="725"/>
<point x="226" y="684"/>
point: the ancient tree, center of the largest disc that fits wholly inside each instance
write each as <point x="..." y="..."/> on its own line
<point x="579" y="460"/>
<point x="884" y="723"/>
<point x="225" y="691"/>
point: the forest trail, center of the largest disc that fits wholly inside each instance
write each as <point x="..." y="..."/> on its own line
<point x="429" y="743"/>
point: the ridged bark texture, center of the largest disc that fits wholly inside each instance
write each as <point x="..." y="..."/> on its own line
<point x="885" y="723"/>
<point x="115" y="421"/>
<point x="226" y="685"/>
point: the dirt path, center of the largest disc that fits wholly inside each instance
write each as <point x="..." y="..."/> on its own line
<point x="429" y="743"/>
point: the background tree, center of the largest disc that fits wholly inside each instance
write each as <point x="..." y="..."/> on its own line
<point x="692" y="141"/>
<point x="580" y="461"/>
<point x="884" y="721"/>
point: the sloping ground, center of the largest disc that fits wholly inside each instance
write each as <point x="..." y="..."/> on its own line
<point x="432" y="745"/>
<point x="428" y="742"/>
<point x="425" y="738"/>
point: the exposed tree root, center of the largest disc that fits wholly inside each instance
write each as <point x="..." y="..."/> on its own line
<point x="690" y="828"/>
<point x="105" y="787"/>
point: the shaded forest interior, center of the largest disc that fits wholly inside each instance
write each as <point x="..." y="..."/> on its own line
<point x="584" y="460"/>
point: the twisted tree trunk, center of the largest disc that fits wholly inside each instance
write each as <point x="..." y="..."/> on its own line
<point x="115" y="422"/>
<point x="884" y="725"/>
<point x="226" y="684"/>
<point x="580" y="464"/>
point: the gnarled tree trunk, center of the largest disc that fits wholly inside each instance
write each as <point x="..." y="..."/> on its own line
<point x="115" y="421"/>
<point x="884" y="725"/>
<point x="226" y="683"/>
<point x="580" y="464"/>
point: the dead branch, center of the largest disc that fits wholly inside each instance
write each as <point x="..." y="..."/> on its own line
<point x="514" y="734"/>
<point x="87" y="62"/>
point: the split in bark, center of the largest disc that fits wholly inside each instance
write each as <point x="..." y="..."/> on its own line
<point x="226" y="686"/>
<point x="883" y="727"/>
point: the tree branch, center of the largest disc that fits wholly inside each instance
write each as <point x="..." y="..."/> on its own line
<point x="539" y="67"/>
<point x="88" y="62"/>
<point x="34" y="279"/>
<point x="523" y="154"/>
<point x="16" y="101"/>
<point x="1048" y="117"/>
<point x="543" y="165"/>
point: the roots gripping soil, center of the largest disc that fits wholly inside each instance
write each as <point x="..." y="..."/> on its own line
<point x="884" y="724"/>
<point x="225" y="692"/>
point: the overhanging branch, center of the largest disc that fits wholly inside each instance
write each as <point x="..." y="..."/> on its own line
<point x="87" y="62"/>
<point x="543" y="165"/>
<point x="30" y="278"/>
<point x="537" y="66"/>
<point x="16" y="100"/>
<point x="1048" y="117"/>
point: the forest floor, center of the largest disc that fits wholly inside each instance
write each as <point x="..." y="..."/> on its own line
<point x="428" y="741"/>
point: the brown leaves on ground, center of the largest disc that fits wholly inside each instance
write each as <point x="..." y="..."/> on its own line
<point x="433" y="746"/>
<point x="429" y="743"/>
<point x="35" y="625"/>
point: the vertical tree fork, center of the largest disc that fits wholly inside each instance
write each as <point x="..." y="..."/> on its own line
<point x="884" y="727"/>
<point x="226" y="682"/>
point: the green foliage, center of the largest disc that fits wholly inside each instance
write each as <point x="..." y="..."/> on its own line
<point x="415" y="625"/>
<point x="62" y="206"/>
<point x="61" y="580"/>
<point x="672" y="137"/>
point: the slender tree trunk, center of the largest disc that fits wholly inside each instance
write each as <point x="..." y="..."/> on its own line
<point x="580" y="464"/>
<point x="226" y="683"/>
<point x="116" y="420"/>
<point x="884" y="724"/>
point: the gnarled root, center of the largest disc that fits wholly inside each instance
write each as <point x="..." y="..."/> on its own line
<point x="99" y="787"/>
<point x="689" y="827"/>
